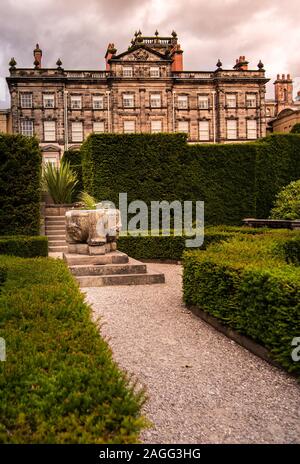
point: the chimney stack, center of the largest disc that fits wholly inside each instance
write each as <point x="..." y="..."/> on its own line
<point x="111" y="51"/>
<point x="37" y="53"/>
<point x="241" y="64"/>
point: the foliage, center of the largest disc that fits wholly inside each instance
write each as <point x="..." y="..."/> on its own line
<point x="3" y="274"/>
<point x="247" y="284"/>
<point x="60" y="182"/>
<point x="88" y="200"/>
<point x="234" y="180"/>
<point x="296" y="128"/>
<point x="59" y="383"/>
<point x="24" y="246"/>
<point x="287" y="203"/>
<point x="74" y="158"/>
<point x="20" y="193"/>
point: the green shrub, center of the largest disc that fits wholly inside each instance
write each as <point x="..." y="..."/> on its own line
<point x="247" y="284"/>
<point x="172" y="247"/>
<point x="24" y="246"/>
<point x="3" y="274"/>
<point x="296" y="129"/>
<point x="74" y="158"/>
<point x="287" y="203"/>
<point x="20" y="193"/>
<point x="60" y="182"/>
<point x="59" y="383"/>
<point x="234" y="180"/>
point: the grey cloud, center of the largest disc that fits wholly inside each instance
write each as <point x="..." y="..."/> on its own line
<point x="79" y="31"/>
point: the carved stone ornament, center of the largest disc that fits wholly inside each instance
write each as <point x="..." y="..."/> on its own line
<point x="141" y="55"/>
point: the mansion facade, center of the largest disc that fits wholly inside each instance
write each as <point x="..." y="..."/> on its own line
<point x="143" y="89"/>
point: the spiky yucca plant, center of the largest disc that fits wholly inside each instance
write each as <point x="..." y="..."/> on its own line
<point x="60" y="182"/>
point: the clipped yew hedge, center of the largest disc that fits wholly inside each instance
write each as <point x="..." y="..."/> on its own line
<point x="24" y="246"/>
<point x="248" y="284"/>
<point x="234" y="180"/>
<point x="59" y="383"/>
<point x="20" y="186"/>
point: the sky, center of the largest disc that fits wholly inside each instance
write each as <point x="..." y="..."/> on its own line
<point x="78" y="31"/>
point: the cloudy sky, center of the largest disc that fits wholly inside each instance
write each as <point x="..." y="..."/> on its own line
<point x="78" y="32"/>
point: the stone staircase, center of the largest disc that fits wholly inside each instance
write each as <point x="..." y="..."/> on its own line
<point x="114" y="268"/>
<point x="55" y="230"/>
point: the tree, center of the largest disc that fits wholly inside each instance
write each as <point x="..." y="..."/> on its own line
<point x="287" y="203"/>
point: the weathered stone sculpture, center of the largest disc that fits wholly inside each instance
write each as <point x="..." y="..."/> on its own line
<point x="92" y="232"/>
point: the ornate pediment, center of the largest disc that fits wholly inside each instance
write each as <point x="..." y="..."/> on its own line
<point x="141" y="54"/>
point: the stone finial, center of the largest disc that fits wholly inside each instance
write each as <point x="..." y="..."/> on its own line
<point x="37" y="53"/>
<point x="36" y="63"/>
<point x="58" y="64"/>
<point x="174" y="34"/>
<point x="219" y="65"/>
<point x="12" y="64"/>
<point x="156" y="33"/>
<point x="260" y="65"/>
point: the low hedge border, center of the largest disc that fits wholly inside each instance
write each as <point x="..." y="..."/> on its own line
<point x="59" y="383"/>
<point x="248" y="286"/>
<point x="23" y="246"/>
<point x="171" y="248"/>
<point x="3" y="274"/>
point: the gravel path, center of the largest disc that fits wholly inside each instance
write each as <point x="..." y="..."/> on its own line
<point x="202" y="387"/>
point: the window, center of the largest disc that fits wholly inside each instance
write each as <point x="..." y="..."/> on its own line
<point x="203" y="130"/>
<point x="182" y="101"/>
<point x="49" y="131"/>
<point x="98" y="102"/>
<point x="251" y="100"/>
<point x="76" y="102"/>
<point x="231" y="100"/>
<point x="156" y="126"/>
<point x="128" y="100"/>
<point x="251" y="129"/>
<point x="98" y="127"/>
<point x="48" y="100"/>
<point x="26" y="100"/>
<point x="183" y="126"/>
<point x="77" y="132"/>
<point x="203" y="102"/>
<point x="231" y="129"/>
<point x="154" y="71"/>
<point x="50" y="160"/>
<point x="155" y="100"/>
<point x="129" y="127"/>
<point x="27" y="128"/>
<point x="127" y="71"/>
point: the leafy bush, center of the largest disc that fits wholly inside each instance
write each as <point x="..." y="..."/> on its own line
<point x="74" y="158"/>
<point x="234" y="180"/>
<point x="172" y="247"/>
<point x="88" y="201"/>
<point x="3" y="274"/>
<point x="248" y="285"/>
<point x="20" y="171"/>
<point x="60" y="182"/>
<point x="287" y="203"/>
<point x="24" y="246"/>
<point x="296" y="129"/>
<point x="59" y="383"/>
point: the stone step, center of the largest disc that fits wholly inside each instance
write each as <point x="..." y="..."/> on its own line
<point x="56" y="236"/>
<point x="115" y="257"/>
<point x="55" y="223"/>
<point x="55" y="218"/>
<point x="132" y="267"/>
<point x="56" y="243"/>
<point x="55" y="227"/>
<point x="58" y="248"/>
<point x="121" y="279"/>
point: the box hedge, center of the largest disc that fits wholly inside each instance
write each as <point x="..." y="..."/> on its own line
<point x="248" y="285"/>
<point x="24" y="246"/>
<point x="20" y="192"/>
<point x="59" y="383"/>
<point x="234" y="180"/>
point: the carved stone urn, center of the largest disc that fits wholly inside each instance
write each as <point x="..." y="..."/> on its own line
<point x="93" y="232"/>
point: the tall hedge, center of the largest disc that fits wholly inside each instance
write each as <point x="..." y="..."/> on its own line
<point x="20" y="171"/>
<point x="234" y="180"/>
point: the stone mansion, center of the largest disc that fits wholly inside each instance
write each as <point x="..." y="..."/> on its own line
<point x="143" y="89"/>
